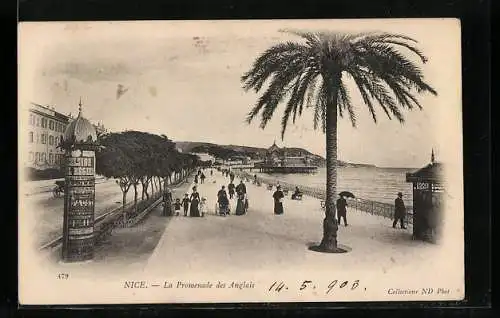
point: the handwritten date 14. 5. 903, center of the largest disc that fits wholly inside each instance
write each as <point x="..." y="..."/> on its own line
<point x="308" y="284"/>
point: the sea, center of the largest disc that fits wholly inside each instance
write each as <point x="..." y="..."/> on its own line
<point x="371" y="183"/>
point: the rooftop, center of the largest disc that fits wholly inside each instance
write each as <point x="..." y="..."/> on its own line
<point x="433" y="172"/>
<point x="80" y="130"/>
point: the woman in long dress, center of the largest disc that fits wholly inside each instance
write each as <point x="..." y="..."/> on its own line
<point x="240" y="206"/>
<point x="278" y="198"/>
<point x="194" y="210"/>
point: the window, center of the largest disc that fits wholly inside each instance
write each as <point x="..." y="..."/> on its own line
<point x="44" y="157"/>
<point x="32" y="120"/>
<point x="38" y="121"/>
<point x="31" y="137"/>
<point x="51" y="158"/>
<point x="51" y="140"/>
<point x="37" y="156"/>
<point x="44" y="122"/>
<point x="51" y="125"/>
<point x="44" y="138"/>
<point x="31" y="158"/>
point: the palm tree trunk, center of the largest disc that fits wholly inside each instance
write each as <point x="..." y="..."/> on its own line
<point x="330" y="226"/>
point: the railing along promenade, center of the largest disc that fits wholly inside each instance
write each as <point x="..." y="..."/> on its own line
<point x="369" y="206"/>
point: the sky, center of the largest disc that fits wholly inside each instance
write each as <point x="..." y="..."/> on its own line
<point x="182" y="79"/>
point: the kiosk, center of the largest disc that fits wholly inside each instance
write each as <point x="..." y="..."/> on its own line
<point x="427" y="201"/>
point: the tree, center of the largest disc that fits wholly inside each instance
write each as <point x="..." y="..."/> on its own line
<point x="314" y="73"/>
<point x="112" y="162"/>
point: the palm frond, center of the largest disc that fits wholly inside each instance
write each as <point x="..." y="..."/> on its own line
<point x="344" y="102"/>
<point x="272" y="60"/>
<point x="361" y="85"/>
<point x="382" y="36"/>
<point x="290" y="107"/>
<point x="277" y="90"/>
<point x="382" y="59"/>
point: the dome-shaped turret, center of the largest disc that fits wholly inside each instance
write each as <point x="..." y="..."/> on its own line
<point x="80" y="130"/>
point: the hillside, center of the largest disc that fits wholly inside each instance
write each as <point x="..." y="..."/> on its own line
<point x="226" y="151"/>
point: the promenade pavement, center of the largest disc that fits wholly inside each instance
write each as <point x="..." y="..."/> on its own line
<point x="261" y="240"/>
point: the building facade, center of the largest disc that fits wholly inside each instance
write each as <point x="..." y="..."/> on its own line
<point x="279" y="160"/>
<point x="276" y="156"/>
<point x="46" y="127"/>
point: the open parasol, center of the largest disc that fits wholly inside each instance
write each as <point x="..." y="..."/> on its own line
<point x="346" y="194"/>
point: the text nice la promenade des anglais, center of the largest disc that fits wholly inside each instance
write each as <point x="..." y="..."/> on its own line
<point x="181" y="284"/>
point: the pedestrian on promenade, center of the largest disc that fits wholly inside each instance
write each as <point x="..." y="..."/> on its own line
<point x="202" y="178"/>
<point x="231" y="176"/>
<point x="194" y="210"/>
<point x="241" y="187"/>
<point x="278" y="200"/>
<point x="240" y="206"/>
<point x="185" y="203"/>
<point x="297" y="195"/>
<point x="223" y="201"/>
<point x="167" y="202"/>
<point x="341" y="210"/>
<point x="211" y="172"/>
<point x="230" y="188"/>
<point x="399" y="211"/>
<point x="203" y="206"/>
<point x="196" y="179"/>
<point x="177" y="206"/>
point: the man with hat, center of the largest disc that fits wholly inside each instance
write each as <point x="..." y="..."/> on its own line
<point x="399" y="211"/>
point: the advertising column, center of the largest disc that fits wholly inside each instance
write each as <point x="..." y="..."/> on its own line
<point x="79" y="205"/>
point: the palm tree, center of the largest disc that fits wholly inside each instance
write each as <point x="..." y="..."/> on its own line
<point x="313" y="72"/>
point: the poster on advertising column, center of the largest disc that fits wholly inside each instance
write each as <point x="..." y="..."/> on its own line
<point x="79" y="217"/>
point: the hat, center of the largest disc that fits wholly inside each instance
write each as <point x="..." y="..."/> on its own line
<point x="400" y="194"/>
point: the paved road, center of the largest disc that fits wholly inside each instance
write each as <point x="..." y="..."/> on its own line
<point x="48" y="211"/>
